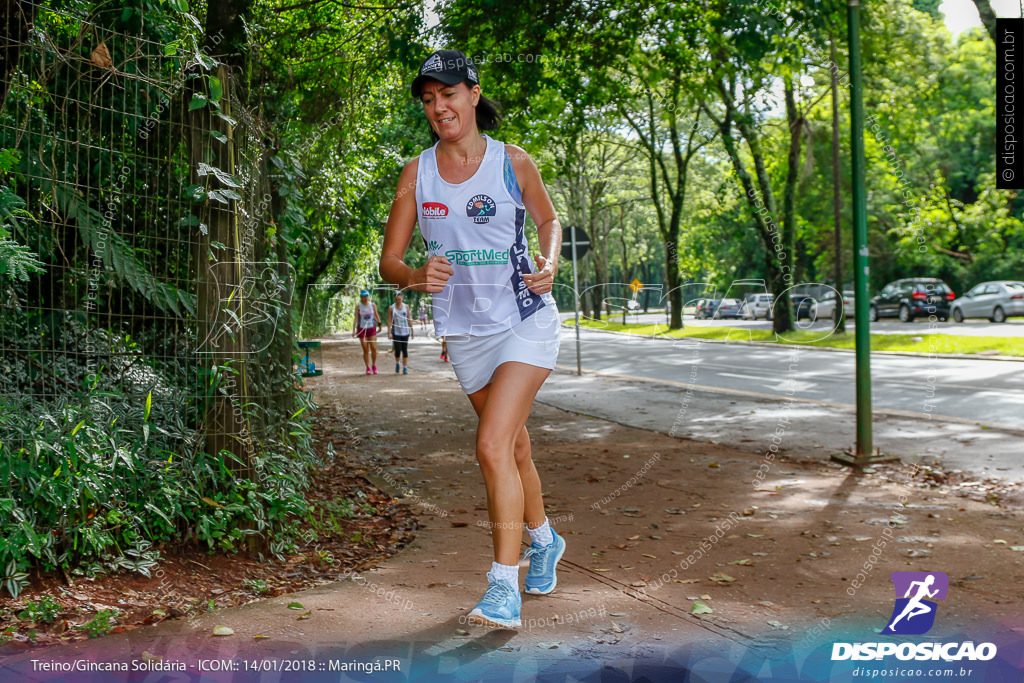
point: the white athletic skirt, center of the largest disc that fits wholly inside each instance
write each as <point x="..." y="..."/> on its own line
<point x="533" y="341"/>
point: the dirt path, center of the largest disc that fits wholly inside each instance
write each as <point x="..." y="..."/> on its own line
<point x="654" y="525"/>
<point x="635" y="505"/>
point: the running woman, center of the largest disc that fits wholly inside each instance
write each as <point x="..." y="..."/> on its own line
<point x="495" y="309"/>
<point x="400" y="332"/>
<point x="367" y="321"/>
<point x="423" y="315"/>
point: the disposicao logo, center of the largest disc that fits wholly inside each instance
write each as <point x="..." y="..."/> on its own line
<point x="914" y="614"/>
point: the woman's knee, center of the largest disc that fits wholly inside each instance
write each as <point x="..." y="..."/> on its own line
<point x="492" y="450"/>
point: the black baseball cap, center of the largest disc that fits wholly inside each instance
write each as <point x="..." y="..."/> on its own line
<point x="449" y="67"/>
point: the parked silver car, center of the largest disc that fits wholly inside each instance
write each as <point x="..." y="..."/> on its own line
<point x="825" y="307"/>
<point x="996" y="301"/>
<point x="757" y="306"/>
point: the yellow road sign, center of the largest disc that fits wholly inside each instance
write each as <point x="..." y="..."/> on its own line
<point x="636" y="285"/>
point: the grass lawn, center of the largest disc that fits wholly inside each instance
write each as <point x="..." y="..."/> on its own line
<point x="931" y="343"/>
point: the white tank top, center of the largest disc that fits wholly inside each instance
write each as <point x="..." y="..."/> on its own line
<point x="479" y="226"/>
<point x="400" y="321"/>
<point x="366" y="319"/>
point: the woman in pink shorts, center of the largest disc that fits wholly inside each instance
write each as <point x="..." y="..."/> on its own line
<point x="367" y="321"/>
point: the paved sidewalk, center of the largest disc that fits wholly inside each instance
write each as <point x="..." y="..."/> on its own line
<point x="635" y="507"/>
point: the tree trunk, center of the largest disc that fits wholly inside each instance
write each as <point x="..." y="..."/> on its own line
<point x="771" y="233"/>
<point x="761" y="200"/>
<point x="675" y="295"/>
<point x="220" y="287"/>
<point x="668" y="221"/>
<point x="988" y="17"/>
<point x="600" y="278"/>
<point x="624" y="257"/>
<point x="16" y="19"/>
<point x="219" y="282"/>
<point x="283" y="347"/>
<point x="647" y="290"/>
<point x="788" y="253"/>
<point x="839" y="315"/>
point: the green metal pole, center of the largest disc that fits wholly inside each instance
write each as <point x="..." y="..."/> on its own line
<point x="861" y="272"/>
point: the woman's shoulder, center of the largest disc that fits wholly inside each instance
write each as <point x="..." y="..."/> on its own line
<point x="411" y="165"/>
<point x="515" y="152"/>
<point x="414" y="162"/>
<point x="520" y="159"/>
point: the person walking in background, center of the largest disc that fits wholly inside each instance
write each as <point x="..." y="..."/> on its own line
<point x="367" y="322"/>
<point x="472" y="194"/>
<point x="400" y="332"/>
<point x="423" y="315"/>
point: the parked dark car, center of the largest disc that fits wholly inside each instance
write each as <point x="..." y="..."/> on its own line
<point x="915" y="297"/>
<point x="728" y="308"/>
<point x="803" y="304"/>
<point x="705" y="308"/>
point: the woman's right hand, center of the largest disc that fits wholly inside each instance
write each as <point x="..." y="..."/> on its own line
<point x="433" y="275"/>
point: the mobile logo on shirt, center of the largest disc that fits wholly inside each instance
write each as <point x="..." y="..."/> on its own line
<point x="480" y="208"/>
<point x="434" y="210"/>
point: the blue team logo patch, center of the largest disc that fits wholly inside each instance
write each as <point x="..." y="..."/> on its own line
<point x="480" y="208"/>
<point x="916" y="592"/>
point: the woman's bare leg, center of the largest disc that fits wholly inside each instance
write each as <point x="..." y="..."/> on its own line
<point x="503" y="451"/>
<point x="533" y="501"/>
<point x="366" y="352"/>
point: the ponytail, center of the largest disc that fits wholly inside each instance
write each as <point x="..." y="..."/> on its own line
<point x="488" y="114"/>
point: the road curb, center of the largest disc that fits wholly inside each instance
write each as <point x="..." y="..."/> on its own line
<point x="955" y="356"/>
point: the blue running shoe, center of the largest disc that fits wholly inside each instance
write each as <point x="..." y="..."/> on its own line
<point x="541" y="578"/>
<point x="500" y="605"/>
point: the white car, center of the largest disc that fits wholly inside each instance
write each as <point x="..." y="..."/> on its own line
<point x="996" y="301"/>
<point x="825" y="307"/>
<point x="757" y="306"/>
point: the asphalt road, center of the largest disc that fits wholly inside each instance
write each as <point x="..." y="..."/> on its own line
<point x="986" y="391"/>
<point x="1013" y="327"/>
<point x="959" y="415"/>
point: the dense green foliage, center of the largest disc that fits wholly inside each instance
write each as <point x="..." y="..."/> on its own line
<point x="188" y="188"/>
<point x="171" y="185"/>
<point x="601" y="71"/>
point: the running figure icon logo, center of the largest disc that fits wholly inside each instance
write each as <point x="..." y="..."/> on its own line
<point x="914" y="612"/>
<point x="480" y="208"/>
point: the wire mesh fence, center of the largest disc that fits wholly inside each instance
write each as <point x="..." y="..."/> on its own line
<point x="146" y="357"/>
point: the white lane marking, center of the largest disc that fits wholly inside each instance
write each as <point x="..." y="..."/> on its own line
<point x="792" y="386"/>
<point x="796" y="399"/>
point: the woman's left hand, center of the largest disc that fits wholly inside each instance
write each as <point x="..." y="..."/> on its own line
<point x="543" y="280"/>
